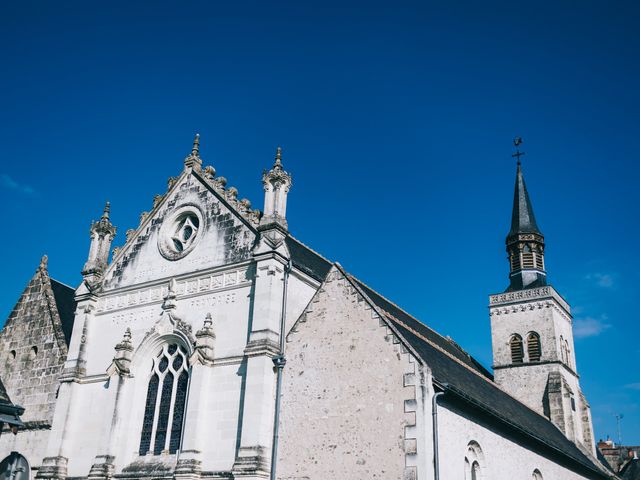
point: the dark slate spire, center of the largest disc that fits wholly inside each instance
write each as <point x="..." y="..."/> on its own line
<point x="522" y="218"/>
<point x="525" y="242"/>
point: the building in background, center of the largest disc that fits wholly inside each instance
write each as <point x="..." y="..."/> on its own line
<point x="214" y="344"/>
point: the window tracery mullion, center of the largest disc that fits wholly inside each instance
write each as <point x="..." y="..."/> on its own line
<point x="174" y="389"/>
<point x="156" y="411"/>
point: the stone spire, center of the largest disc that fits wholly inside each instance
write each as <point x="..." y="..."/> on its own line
<point x="102" y="234"/>
<point x="525" y="242"/>
<point x="193" y="160"/>
<point x="277" y="183"/>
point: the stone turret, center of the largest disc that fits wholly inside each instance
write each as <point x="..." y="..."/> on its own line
<point x="277" y="183"/>
<point x="102" y="234"/>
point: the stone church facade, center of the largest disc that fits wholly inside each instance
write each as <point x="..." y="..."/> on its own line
<point x="214" y="344"/>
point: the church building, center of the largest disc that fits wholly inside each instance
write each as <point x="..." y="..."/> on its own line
<point x="216" y="345"/>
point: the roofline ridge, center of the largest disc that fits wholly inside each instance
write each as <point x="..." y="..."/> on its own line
<point x="379" y="311"/>
<point x="52" y="307"/>
<point x="401" y="309"/>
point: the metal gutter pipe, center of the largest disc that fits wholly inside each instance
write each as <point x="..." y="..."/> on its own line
<point x="279" y="361"/>
<point x="434" y="416"/>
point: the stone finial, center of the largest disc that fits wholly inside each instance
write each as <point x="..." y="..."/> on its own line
<point x="44" y="261"/>
<point x="107" y="210"/>
<point x="170" y="297"/>
<point x="277" y="183"/>
<point x="124" y="351"/>
<point x="205" y="342"/>
<point x="193" y="160"/>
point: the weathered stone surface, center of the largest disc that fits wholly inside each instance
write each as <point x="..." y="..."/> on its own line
<point x="33" y="349"/>
<point x="344" y="393"/>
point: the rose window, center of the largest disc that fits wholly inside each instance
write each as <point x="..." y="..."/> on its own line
<point x="180" y="232"/>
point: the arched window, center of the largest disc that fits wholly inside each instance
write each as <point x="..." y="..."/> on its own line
<point x="563" y="354"/>
<point x="517" y="351"/>
<point x="475" y="471"/>
<point x="473" y="461"/>
<point x="536" y="475"/>
<point x="166" y="399"/>
<point x="533" y="347"/>
<point x="527" y="257"/>
<point x="567" y="353"/>
<point x="15" y="467"/>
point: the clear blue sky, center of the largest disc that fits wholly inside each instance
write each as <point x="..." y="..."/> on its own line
<point x="396" y="122"/>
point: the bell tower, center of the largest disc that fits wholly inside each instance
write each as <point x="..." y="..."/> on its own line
<point x="532" y="329"/>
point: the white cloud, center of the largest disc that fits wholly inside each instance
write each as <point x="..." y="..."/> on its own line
<point x="590" y="326"/>
<point x="10" y="184"/>
<point x="604" y="280"/>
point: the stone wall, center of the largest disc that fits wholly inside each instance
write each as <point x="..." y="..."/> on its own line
<point x="499" y="455"/>
<point x="348" y="400"/>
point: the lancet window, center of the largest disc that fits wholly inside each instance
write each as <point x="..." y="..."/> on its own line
<point x="517" y="349"/>
<point x="166" y="399"/>
<point x="533" y="347"/>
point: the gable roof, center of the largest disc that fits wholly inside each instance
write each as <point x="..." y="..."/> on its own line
<point x="56" y="300"/>
<point x="461" y="375"/>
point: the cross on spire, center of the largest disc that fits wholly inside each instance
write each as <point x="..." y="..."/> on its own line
<point x="516" y="143"/>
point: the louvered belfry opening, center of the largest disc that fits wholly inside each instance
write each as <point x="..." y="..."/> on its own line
<point x="166" y="399"/>
<point x="517" y="350"/>
<point x="533" y="347"/>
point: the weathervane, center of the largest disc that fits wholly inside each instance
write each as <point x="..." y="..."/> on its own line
<point x="517" y="142"/>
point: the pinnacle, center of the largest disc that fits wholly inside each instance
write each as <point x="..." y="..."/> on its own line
<point x="278" y="163"/>
<point x="196" y="145"/>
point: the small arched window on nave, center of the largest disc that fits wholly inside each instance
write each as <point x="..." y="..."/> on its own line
<point x="517" y="350"/>
<point x="536" y="475"/>
<point x="533" y="347"/>
<point x="166" y="399"/>
<point x="472" y="461"/>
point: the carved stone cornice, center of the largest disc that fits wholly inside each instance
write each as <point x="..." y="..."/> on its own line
<point x="531" y="294"/>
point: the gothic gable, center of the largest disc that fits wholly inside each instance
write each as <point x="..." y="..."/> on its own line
<point x="33" y="345"/>
<point x="196" y="225"/>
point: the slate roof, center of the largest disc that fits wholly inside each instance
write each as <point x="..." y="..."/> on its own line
<point x="66" y="304"/>
<point x="631" y="471"/>
<point x="522" y="218"/>
<point x="305" y="259"/>
<point x="461" y="375"/>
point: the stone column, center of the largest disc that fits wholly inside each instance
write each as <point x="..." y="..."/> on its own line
<point x="195" y="420"/>
<point x="253" y="459"/>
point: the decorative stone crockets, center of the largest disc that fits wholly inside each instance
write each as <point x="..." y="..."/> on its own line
<point x="102" y="234"/>
<point x="205" y="342"/>
<point x="277" y="183"/>
<point x="122" y="360"/>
